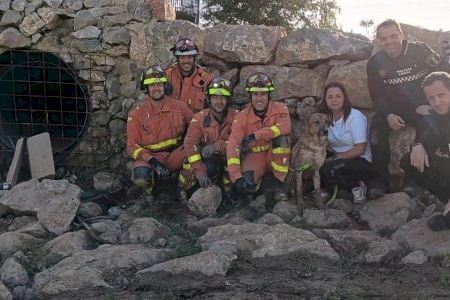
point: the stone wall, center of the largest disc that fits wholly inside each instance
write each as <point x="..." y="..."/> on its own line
<point x="116" y="39"/>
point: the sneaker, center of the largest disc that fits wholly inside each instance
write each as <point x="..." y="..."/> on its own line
<point x="359" y="193"/>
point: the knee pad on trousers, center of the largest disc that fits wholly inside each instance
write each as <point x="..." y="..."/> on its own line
<point x="143" y="177"/>
<point x="214" y="166"/>
<point x="281" y="141"/>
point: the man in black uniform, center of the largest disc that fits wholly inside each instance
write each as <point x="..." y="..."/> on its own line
<point x="394" y="77"/>
<point x="428" y="164"/>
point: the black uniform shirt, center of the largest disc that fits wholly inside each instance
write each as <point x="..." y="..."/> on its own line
<point x="395" y="83"/>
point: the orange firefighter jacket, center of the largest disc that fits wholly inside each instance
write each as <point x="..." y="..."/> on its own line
<point x="150" y="129"/>
<point x="190" y="89"/>
<point x="275" y="123"/>
<point x="202" y="132"/>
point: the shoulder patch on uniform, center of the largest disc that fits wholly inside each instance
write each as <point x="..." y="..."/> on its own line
<point x="433" y="59"/>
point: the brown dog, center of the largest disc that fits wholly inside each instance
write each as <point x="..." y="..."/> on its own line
<point x="309" y="154"/>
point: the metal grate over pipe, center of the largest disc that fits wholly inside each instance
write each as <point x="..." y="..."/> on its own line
<point x="41" y="92"/>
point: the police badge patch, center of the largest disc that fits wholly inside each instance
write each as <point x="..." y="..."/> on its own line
<point x="433" y="60"/>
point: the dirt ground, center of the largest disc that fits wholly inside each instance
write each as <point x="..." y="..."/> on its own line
<point x="294" y="277"/>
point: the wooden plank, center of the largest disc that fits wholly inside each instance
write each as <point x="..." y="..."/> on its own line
<point x="40" y="156"/>
<point x="14" y="168"/>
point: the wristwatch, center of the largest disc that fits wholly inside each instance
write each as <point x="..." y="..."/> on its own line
<point x="413" y="145"/>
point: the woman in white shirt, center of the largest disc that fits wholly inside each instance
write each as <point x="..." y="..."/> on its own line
<point x="349" y="163"/>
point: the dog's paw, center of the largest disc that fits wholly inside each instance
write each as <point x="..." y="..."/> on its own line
<point x="300" y="206"/>
<point x="318" y="200"/>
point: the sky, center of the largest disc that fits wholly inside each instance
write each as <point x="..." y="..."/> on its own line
<point x="430" y="14"/>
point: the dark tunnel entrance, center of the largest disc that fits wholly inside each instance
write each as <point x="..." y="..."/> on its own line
<point x="39" y="92"/>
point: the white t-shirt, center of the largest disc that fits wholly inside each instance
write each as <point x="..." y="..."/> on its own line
<point x="343" y="136"/>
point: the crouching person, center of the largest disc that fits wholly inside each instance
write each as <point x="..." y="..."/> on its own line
<point x="155" y="132"/>
<point x="206" y="140"/>
<point x="259" y="141"/>
<point x="428" y="163"/>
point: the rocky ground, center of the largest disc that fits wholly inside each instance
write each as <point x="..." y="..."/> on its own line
<point x="106" y="241"/>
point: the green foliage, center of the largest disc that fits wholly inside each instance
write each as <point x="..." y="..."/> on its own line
<point x="444" y="280"/>
<point x="368" y="25"/>
<point x="286" y="13"/>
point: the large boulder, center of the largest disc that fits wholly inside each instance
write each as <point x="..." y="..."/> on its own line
<point x="160" y="37"/>
<point x="13" y="274"/>
<point x="116" y="35"/>
<point x="107" y="182"/>
<point x="144" y="230"/>
<point x="89" y="271"/>
<point x="5" y="294"/>
<point x="90" y="210"/>
<point x="387" y="214"/>
<point x="311" y="46"/>
<point x="205" y="201"/>
<point x="201" y="226"/>
<point x="106" y="231"/>
<point x="361" y="246"/>
<point x="14" y="241"/>
<point x="69" y="243"/>
<point x="290" y="82"/>
<point x="258" y="241"/>
<point x="12" y="38"/>
<point x="432" y="38"/>
<point x="416" y="235"/>
<point x="189" y="271"/>
<point x="31" y="24"/>
<point x="354" y="77"/>
<point x="245" y="44"/>
<point x="55" y="202"/>
<point x="325" y="218"/>
<point x="416" y="257"/>
<point x="270" y="219"/>
<point x="285" y="210"/>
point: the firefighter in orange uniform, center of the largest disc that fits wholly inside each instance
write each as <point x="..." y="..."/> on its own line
<point x="259" y="139"/>
<point x="155" y="132"/>
<point x="188" y="80"/>
<point x="206" y="140"/>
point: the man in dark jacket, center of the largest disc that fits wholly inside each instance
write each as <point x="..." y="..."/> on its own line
<point x="428" y="164"/>
<point x="394" y="78"/>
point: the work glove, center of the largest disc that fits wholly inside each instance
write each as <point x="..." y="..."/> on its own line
<point x="246" y="142"/>
<point x="204" y="181"/>
<point x="209" y="150"/>
<point x="243" y="185"/>
<point x="162" y="173"/>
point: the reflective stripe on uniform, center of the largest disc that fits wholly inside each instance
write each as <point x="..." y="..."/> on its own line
<point x="194" y="158"/>
<point x="281" y="150"/>
<point x="186" y="166"/>
<point x="154" y="80"/>
<point x="220" y="91"/>
<point x="226" y="181"/>
<point x="278" y="168"/>
<point x="261" y="148"/>
<point x="260" y="89"/>
<point x="136" y="152"/>
<point x="234" y="161"/>
<point x="275" y="130"/>
<point x="164" y="144"/>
